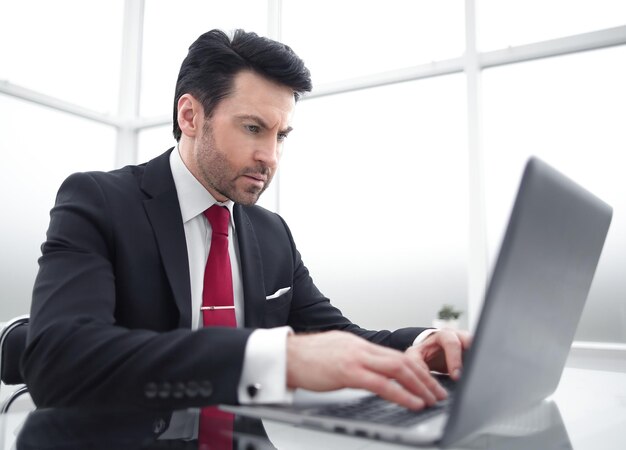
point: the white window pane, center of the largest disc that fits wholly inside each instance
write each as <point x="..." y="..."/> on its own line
<point x="70" y="49"/>
<point x="153" y="142"/>
<point x="171" y="27"/>
<point x="503" y="23"/>
<point x="345" y="39"/>
<point x="39" y="148"/>
<point x="571" y="112"/>
<point x="374" y="187"/>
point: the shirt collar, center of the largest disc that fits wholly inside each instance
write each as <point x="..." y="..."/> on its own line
<point x="193" y="198"/>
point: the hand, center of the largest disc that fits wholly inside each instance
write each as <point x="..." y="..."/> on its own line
<point x="337" y="359"/>
<point x="442" y="351"/>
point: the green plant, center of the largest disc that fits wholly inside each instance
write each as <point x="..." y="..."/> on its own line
<point x="447" y="312"/>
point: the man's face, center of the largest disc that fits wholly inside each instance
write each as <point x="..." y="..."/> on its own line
<point x="237" y="151"/>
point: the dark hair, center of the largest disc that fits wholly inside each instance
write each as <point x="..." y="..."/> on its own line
<point x="214" y="60"/>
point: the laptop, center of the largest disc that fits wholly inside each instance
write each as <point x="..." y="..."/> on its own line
<point x="532" y="306"/>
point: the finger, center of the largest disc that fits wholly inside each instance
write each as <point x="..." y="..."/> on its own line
<point x="452" y="346"/>
<point x="388" y="389"/>
<point x="418" y="365"/>
<point x="466" y="339"/>
<point x="409" y="374"/>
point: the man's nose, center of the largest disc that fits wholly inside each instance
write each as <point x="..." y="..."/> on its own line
<point x="267" y="152"/>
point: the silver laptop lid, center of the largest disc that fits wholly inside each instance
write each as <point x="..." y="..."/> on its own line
<point x="534" y="300"/>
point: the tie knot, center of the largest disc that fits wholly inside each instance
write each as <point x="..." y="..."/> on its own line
<point x="218" y="218"/>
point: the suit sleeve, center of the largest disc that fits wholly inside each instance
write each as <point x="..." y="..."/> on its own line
<point x="312" y="311"/>
<point x="78" y="355"/>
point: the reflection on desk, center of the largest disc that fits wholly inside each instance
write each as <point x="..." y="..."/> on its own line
<point x="588" y="411"/>
<point x="540" y="427"/>
<point x="74" y="429"/>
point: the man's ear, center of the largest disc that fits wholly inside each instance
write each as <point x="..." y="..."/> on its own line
<point x="190" y="115"/>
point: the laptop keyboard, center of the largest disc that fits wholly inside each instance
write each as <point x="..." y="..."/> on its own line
<point x="378" y="410"/>
<point x="375" y="409"/>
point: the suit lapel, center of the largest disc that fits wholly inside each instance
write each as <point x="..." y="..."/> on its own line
<point x="164" y="213"/>
<point x="251" y="269"/>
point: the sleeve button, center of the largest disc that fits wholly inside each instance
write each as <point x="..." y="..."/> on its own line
<point x="178" y="391"/>
<point x="150" y="390"/>
<point x="206" y="388"/>
<point x="193" y="389"/>
<point x="165" y="389"/>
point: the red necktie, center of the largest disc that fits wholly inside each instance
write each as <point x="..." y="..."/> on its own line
<point x="216" y="426"/>
<point x="217" y="295"/>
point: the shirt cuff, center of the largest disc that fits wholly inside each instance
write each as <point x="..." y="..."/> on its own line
<point x="264" y="374"/>
<point x="423" y="335"/>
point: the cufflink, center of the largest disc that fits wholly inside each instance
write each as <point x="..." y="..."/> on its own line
<point x="253" y="389"/>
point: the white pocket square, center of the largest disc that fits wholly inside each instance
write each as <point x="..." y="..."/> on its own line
<point x="278" y="293"/>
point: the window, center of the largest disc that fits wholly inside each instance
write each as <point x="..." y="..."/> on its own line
<point x="42" y="148"/>
<point x="69" y="49"/>
<point x="374" y="187"/>
<point x="570" y="111"/>
<point x="504" y="23"/>
<point x="353" y="38"/>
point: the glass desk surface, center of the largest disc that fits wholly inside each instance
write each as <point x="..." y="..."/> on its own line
<point x="588" y="411"/>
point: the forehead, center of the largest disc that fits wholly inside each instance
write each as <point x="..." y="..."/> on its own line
<point x="255" y="94"/>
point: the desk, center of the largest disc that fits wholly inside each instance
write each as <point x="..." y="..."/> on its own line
<point x="588" y="411"/>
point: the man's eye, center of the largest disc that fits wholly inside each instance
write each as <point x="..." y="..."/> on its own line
<point x="253" y="128"/>
<point x="282" y="137"/>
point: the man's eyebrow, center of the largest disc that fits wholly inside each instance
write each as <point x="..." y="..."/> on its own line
<point x="261" y="122"/>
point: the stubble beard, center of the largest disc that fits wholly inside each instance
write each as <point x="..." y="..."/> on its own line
<point x="219" y="175"/>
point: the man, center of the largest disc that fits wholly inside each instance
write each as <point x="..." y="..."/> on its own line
<point x="120" y="316"/>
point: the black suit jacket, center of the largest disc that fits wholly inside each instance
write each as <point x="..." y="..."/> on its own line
<point x="111" y="310"/>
